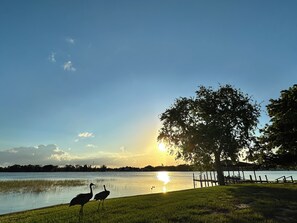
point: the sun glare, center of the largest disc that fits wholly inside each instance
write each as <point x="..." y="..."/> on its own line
<point x="164" y="177"/>
<point x="162" y="147"/>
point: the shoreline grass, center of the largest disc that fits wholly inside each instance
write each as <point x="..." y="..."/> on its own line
<point x="36" y="186"/>
<point x="234" y="203"/>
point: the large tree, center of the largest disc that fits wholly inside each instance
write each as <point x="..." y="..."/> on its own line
<point x="214" y="125"/>
<point x="279" y="138"/>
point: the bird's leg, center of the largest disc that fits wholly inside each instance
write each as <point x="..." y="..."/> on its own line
<point x="79" y="218"/>
<point x="98" y="205"/>
<point x="80" y="214"/>
<point x="103" y="205"/>
<point x="81" y="210"/>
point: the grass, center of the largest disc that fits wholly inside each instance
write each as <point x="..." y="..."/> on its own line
<point x="236" y="203"/>
<point x="36" y="186"/>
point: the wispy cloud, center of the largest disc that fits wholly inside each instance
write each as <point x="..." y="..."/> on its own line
<point x="90" y="146"/>
<point x="52" y="57"/>
<point x="86" y="135"/>
<point x="123" y="149"/>
<point x="70" y="40"/>
<point x="68" y="66"/>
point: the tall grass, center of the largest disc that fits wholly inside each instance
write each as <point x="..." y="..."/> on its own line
<point x="237" y="203"/>
<point x="36" y="185"/>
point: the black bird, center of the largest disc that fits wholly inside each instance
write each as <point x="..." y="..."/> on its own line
<point x="82" y="199"/>
<point x="101" y="197"/>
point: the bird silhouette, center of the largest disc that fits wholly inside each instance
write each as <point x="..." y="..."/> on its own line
<point x="101" y="196"/>
<point x="82" y="199"/>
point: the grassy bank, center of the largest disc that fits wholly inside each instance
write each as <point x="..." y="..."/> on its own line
<point x="237" y="203"/>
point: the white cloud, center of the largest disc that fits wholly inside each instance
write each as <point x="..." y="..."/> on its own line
<point x="123" y="149"/>
<point x="60" y="155"/>
<point x="40" y="155"/>
<point x="52" y="57"/>
<point x="70" y="40"/>
<point x="12" y="151"/>
<point x="68" y="66"/>
<point x="86" y="135"/>
<point x="52" y="154"/>
<point x="90" y="146"/>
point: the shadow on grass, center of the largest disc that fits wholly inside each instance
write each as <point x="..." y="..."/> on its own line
<point x="276" y="204"/>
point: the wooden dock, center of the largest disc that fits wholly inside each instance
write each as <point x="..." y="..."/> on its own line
<point x="209" y="178"/>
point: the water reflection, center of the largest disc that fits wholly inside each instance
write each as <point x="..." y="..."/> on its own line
<point x="163" y="177"/>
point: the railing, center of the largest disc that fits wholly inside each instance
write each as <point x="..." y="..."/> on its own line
<point x="210" y="179"/>
<point x="284" y="179"/>
<point x="206" y="180"/>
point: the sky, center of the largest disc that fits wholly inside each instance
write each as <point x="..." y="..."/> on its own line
<point x="85" y="81"/>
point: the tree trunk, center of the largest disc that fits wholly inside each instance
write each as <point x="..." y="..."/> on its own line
<point x="219" y="169"/>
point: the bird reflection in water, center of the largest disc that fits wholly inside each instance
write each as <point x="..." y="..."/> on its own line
<point x="163" y="177"/>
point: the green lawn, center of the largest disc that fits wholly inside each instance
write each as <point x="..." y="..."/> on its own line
<point x="236" y="203"/>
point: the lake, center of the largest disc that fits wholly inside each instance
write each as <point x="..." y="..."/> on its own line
<point x="120" y="184"/>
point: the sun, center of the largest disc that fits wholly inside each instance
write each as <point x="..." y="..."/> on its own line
<point x="162" y="147"/>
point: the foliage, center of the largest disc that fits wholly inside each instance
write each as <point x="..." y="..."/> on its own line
<point x="279" y="139"/>
<point x="233" y="203"/>
<point x="214" y="125"/>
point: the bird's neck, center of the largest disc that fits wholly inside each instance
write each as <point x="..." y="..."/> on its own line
<point x="104" y="188"/>
<point x="91" y="190"/>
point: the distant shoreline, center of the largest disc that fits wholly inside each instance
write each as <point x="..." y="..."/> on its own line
<point x="104" y="168"/>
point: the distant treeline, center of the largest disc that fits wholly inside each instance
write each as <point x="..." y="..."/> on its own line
<point x="227" y="165"/>
<point x="90" y="168"/>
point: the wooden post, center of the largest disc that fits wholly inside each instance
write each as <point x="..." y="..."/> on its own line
<point x="260" y="179"/>
<point x="207" y="178"/>
<point x="201" y="185"/>
<point x="266" y="178"/>
<point x="255" y="175"/>
<point x="243" y="175"/>
<point x="211" y="179"/>
<point x="285" y="179"/>
<point x="251" y="178"/>
<point x="292" y="179"/>
<point x="204" y="180"/>
<point x="214" y="177"/>
<point x="194" y="181"/>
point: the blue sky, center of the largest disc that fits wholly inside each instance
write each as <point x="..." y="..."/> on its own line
<point x="85" y="81"/>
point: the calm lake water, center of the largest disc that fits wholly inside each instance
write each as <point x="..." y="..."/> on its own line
<point x="120" y="184"/>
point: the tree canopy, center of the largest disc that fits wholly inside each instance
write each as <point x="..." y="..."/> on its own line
<point x="279" y="138"/>
<point x="213" y="125"/>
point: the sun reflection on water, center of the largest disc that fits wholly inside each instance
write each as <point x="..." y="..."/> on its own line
<point x="163" y="177"/>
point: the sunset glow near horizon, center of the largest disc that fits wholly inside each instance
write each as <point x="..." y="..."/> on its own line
<point x="85" y="82"/>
